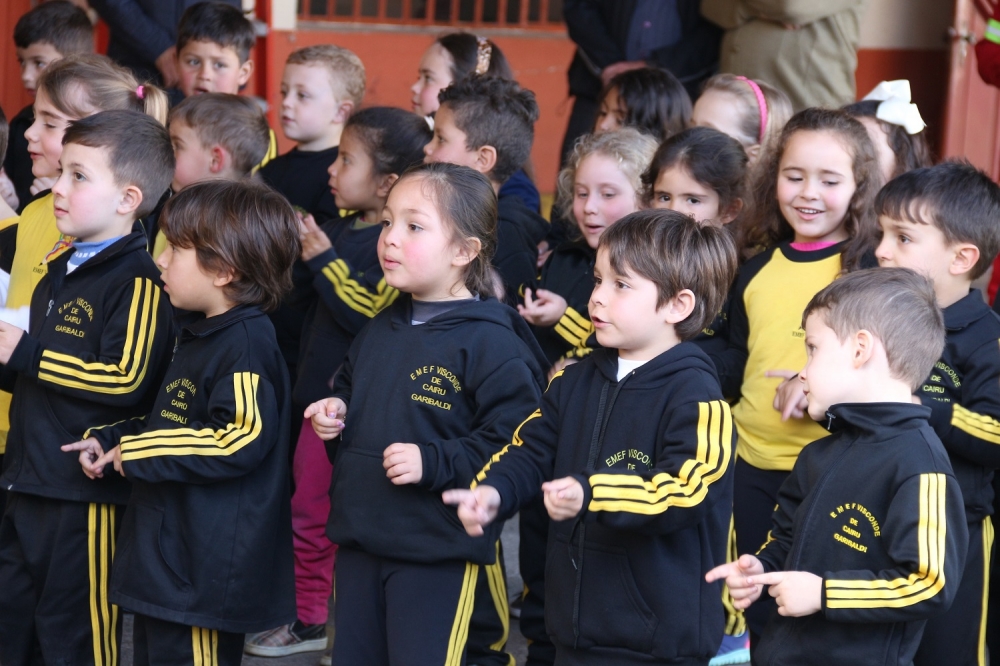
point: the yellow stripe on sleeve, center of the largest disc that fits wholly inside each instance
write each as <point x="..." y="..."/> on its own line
<point x="245" y="428"/>
<point x="574" y="328"/>
<point x="112" y="378"/>
<point x="929" y="577"/>
<point x="354" y="294"/>
<point x="979" y="426"/>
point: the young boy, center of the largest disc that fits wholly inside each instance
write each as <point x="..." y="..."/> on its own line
<point x="320" y="89"/>
<point x="868" y="539"/>
<point x="205" y="554"/>
<point x="213" y="54"/>
<point x="942" y="222"/>
<point x="639" y="443"/>
<point x="99" y="341"/>
<point x="50" y="31"/>
<point x="487" y="123"/>
<point x="215" y="137"/>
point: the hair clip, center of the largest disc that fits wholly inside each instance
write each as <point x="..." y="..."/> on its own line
<point x="139" y="92"/>
<point x="485" y="52"/>
<point x="895" y="107"/>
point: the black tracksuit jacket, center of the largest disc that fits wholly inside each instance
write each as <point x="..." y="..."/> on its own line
<point x="207" y="538"/>
<point x="963" y="392"/>
<point x="100" y="341"/>
<point x="875" y="510"/>
<point x="519" y="231"/>
<point x="624" y="582"/>
<point x="457" y="385"/>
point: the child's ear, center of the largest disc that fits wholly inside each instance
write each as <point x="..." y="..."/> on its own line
<point x="130" y="201"/>
<point x="680" y="307"/>
<point x="486" y="159"/>
<point x="246" y="69"/>
<point x="221" y="160"/>
<point x="224" y="277"/>
<point x="344" y="111"/>
<point x="753" y="152"/>
<point x="731" y="211"/>
<point x="466" y="251"/>
<point x="384" y="183"/>
<point x="864" y="347"/>
<point x="965" y="259"/>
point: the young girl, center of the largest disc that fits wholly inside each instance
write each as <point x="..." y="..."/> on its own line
<point x="895" y="127"/>
<point x="815" y="216"/>
<point x="650" y="99"/>
<point x="433" y="386"/>
<point x="752" y="112"/>
<point x="453" y="57"/>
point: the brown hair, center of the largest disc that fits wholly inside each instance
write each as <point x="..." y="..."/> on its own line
<point x="910" y="150"/>
<point x="59" y="23"/>
<point x="897" y="306"/>
<point x="465" y="48"/>
<point x="236" y="123"/>
<point x="346" y="71"/>
<point x="138" y="149"/>
<point x="655" y="101"/>
<point x="675" y="253"/>
<point x="779" y="110"/>
<point x="764" y="226"/>
<point x="217" y="22"/>
<point x="103" y="86"/>
<point x="465" y="199"/>
<point x="241" y="226"/>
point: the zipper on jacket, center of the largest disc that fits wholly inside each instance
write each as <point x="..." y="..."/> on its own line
<point x="796" y="555"/>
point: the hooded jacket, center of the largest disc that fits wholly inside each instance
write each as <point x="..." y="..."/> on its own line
<point x="654" y="454"/>
<point x="207" y="538"/>
<point x="963" y="392"/>
<point x="99" y="343"/>
<point x="569" y="272"/>
<point x="457" y="386"/>
<point x="519" y="231"/>
<point x="875" y="510"/>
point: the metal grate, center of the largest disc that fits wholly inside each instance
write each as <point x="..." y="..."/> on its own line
<point x="530" y="14"/>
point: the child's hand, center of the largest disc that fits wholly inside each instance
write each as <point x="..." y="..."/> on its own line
<point x="403" y="463"/>
<point x="561" y="364"/>
<point x="114" y="456"/>
<point x="789" y="397"/>
<point x="327" y="417"/>
<point x="314" y="241"/>
<point x="90" y="452"/>
<point x="7" y="192"/>
<point x="563" y="498"/>
<point x="545" y="309"/>
<point x="9" y="337"/>
<point x="476" y="508"/>
<point x="798" y="593"/>
<point x="737" y="578"/>
<point x="543" y="253"/>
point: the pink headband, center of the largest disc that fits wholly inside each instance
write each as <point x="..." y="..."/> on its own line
<point x="139" y="92"/>
<point x="761" y="104"/>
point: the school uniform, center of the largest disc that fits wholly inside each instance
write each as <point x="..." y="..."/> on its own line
<point x="874" y="510"/>
<point x="569" y="272"/>
<point x="100" y="339"/>
<point x="519" y="231"/>
<point x="301" y="177"/>
<point x="457" y="385"/>
<point x="963" y="392"/>
<point x="206" y="542"/>
<point x="653" y="451"/>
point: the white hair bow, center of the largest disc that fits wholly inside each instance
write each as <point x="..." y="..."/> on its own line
<point x="895" y="107"/>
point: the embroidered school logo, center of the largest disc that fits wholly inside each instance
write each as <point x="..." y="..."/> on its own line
<point x="631" y="458"/>
<point x="180" y="392"/>
<point x="74" y="315"/>
<point x="943" y="381"/>
<point x="434" y="385"/>
<point x="854" y="526"/>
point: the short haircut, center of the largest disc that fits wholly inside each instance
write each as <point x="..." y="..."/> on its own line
<point x="217" y="22"/>
<point x="655" y="101"/>
<point x="713" y="159"/>
<point x="242" y="226"/>
<point x="236" y="123"/>
<point x="494" y="112"/>
<point x="675" y="253"/>
<point x="954" y="196"/>
<point x="138" y="148"/>
<point x="346" y="71"/>
<point x="897" y="306"/>
<point x="393" y="138"/>
<point x="59" y="23"/>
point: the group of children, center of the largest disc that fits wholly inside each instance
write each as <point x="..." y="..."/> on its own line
<point x="746" y="355"/>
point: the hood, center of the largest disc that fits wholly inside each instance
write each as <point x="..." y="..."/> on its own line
<point x="684" y="356"/>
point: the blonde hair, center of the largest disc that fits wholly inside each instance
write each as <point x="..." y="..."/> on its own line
<point x="632" y="149"/>
<point x="347" y="72"/>
<point x="103" y="86"/>
<point x="779" y="109"/>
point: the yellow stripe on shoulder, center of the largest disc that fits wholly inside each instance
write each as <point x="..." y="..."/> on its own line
<point x="979" y="426"/>
<point x="354" y="294"/>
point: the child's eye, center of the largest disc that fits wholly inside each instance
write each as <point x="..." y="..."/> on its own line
<point x="192" y="62"/>
<point x="904" y="239"/>
<point x="415" y="227"/>
<point x="621" y="285"/>
<point x="663" y="198"/>
<point x="386" y="224"/>
<point x="303" y="96"/>
<point x="220" y="65"/>
<point x="831" y="183"/>
<point x="597" y="280"/>
<point x="78" y="176"/>
<point x="794" y="179"/>
<point x="581" y="195"/>
<point x="609" y="195"/>
<point x="694" y="201"/>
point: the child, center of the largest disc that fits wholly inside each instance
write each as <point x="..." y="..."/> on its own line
<point x="378" y="144"/>
<point x="700" y="172"/>
<point x="649" y="98"/>
<point x="100" y="340"/>
<point x="752" y="112"/>
<point x="895" y="127"/>
<point x="48" y="32"/>
<point x="205" y="552"/>
<point x="213" y="54"/>
<point x="452" y="57"/>
<point x="881" y="486"/>
<point x="7" y="213"/>
<point x="320" y="89"/>
<point x="814" y="214"/>
<point x="942" y="221"/>
<point x="487" y="123"/>
<point x="632" y="451"/>
<point x="434" y="385"/>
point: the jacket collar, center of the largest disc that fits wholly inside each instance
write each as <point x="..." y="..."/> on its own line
<point x="124" y="245"/>
<point x="204" y="326"/>
<point x="875" y="418"/>
<point x="964" y="312"/>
